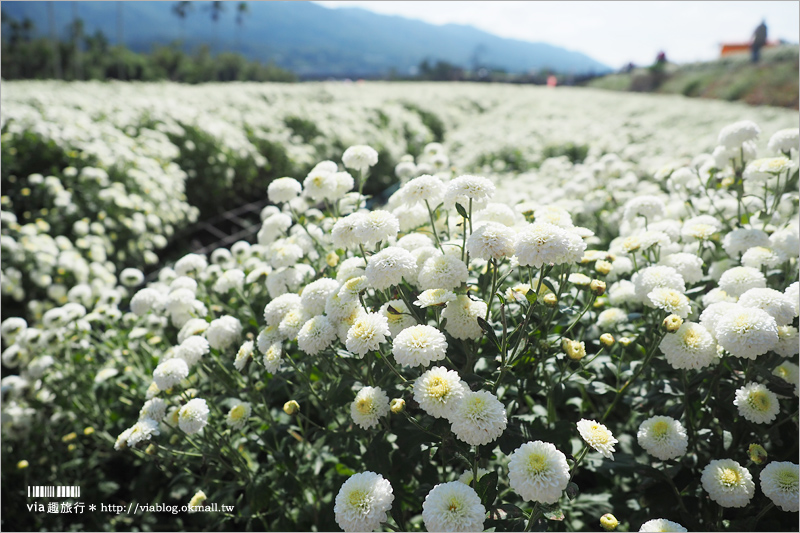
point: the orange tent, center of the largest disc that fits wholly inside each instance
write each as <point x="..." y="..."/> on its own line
<point x="738" y="48"/>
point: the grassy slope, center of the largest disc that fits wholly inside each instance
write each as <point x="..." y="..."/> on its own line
<point x="773" y="81"/>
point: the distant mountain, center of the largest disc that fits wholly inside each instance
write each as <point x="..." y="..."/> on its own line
<point x="307" y="38"/>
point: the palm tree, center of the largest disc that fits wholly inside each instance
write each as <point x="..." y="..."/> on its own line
<point x="51" y="18"/>
<point x="216" y="9"/>
<point x="181" y="10"/>
<point x="241" y="11"/>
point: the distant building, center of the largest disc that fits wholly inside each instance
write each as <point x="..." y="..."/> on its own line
<point x="728" y="49"/>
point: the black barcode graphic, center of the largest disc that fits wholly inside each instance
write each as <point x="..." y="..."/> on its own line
<point x="54" y="491"/>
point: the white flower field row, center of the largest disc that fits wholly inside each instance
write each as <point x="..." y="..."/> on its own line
<point x="468" y="307"/>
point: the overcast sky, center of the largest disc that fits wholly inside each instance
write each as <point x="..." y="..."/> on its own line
<point x="614" y="33"/>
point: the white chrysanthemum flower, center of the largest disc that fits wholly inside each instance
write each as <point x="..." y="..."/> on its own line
<point x="784" y="140"/>
<point x="788" y="371"/>
<point x="190" y="264"/>
<point x="367" y="333"/>
<point x="352" y="267"/>
<point x="655" y="277"/>
<point x="663" y="437"/>
<point x="238" y="415"/>
<point x="377" y="226"/>
<point x="622" y="292"/>
<point x="757" y="403"/>
<point x="438" y="391"/>
<point x="344" y="230"/>
<point x="689" y="266"/>
<point x="728" y="483"/>
<point x="662" y="524"/>
<point x="434" y="297"/>
<point x="283" y="190"/>
<point x="700" y="228"/>
<point x="223" y="332"/>
<point x="598" y="437"/>
<point x="779" y="482"/>
<point x="338" y="308"/>
<point x="736" y="134"/>
<point x="717" y="295"/>
<point x="541" y="243"/>
<point x="351" y="288"/>
<point x="479" y="418"/>
<point x="462" y="317"/>
<point x="421" y="189"/>
<point x="283" y="253"/>
<point x="397" y="321"/>
<point x="194" y="326"/>
<point x="738" y="280"/>
<point x="419" y="345"/>
<point x="370" y="405"/>
<point x="499" y="214"/>
<point x="786" y="241"/>
<point x="462" y="189"/>
<point x="170" y="373"/>
<point x="315" y="295"/>
<point x="280" y="306"/>
<point x="244" y="355"/>
<point x="760" y="256"/>
<point x="154" y="409"/>
<point x="650" y="207"/>
<point x="273" y="357"/>
<point x="229" y="280"/>
<point x="316" y="335"/>
<point x="773" y="302"/>
<point x="691" y="347"/>
<point x="766" y="167"/>
<point x="412" y="241"/>
<point x="793" y="293"/>
<point x="740" y="240"/>
<point x="141" y="431"/>
<point x="453" y="506"/>
<point x="538" y="472"/>
<point x="610" y="317"/>
<point x="193" y="416"/>
<point x="553" y="214"/>
<point x="360" y="157"/>
<point x="192" y="349"/>
<point x="491" y="241"/>
<point x="389" y="266"/>
<point x="363" y="502"/>
<point x="131" y="277"/>
<point x="319" y="185"/>
<point x="747" y="332"/>
<point x="714" y="312"/>
<point x="670" y="300"/>
<point x="145" y="300"/>
<point x="292" y="323"/>
<point x="14" y="326"/>
<point x="442" y="272"/>
<point x="273" y="227"/>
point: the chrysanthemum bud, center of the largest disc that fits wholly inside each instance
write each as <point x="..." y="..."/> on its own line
<point x="575" y="350"/>
<point x="151" y="449"/>
<point x="397" y="405"/>
<point x="88" y="430"/>
<point x="609" y="522"/>
<point x="22" y="464"/>
<point x="550" y="299"/>
<point x="625" y="341"/>
<point x="672" y="323"/>
<point x="597" y="287"/>
<point x="69" y="436"/>
<point x="607" y="339"/>
<point x="175" y="438"/>
<point x="602" y="267"/>
<point x="332" y="259"/>
<point x="757" y="453"/>
<point x="291" y="407"/>
<point x="71" y="448"/>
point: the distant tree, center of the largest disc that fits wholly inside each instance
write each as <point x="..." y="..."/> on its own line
<point x="75" y="36"/>
<point x="241" y="11"/>
<point x="216" y="9"/>
<point x="51" y="18"/>
<point x="181" y="10"/>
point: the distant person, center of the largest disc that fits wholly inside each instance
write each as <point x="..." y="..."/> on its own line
<point x="759" y="40"/>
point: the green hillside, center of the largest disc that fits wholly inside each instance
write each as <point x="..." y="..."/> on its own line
<point x="772" y="81"/>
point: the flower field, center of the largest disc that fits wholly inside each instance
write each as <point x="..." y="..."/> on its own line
<point x="586" y="301"/>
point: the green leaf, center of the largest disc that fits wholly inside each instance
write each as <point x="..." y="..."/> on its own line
<point x="572" y="490"/>
<point x="393" y="311"/>
<point x="461" y="211"/>
<point x="487" y="489"/>
<point x="531" y="297"/>
<point x="506" y="510"/>
<point x="554" y="512"/>
<point x="487" y="328"/>
<point x="344" y="470"/>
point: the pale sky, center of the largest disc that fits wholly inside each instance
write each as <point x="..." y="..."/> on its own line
<point x="614" y="33"/>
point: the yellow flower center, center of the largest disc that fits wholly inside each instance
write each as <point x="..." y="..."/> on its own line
<point x="454" y="505"/>
<point x="598" y="434"/>
<point x="438" y="387"/>
<point x="729" y="477"/>
<point x="237" y="412"/>
<point x="673" y="299"/>
<point x="660" y="429"/>
<point x="357" y="498"/>
<point x="787" y="480"/>
<point x="759" y="400"/>
<point x="536" y="463"/>
<point x="364" y="406"/>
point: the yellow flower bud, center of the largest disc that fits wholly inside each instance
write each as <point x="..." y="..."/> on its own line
<point x="22" y="464"/>
<point x="397" y="405"/>
<point x="757" y="453"/>
<point x="151" y="449"/>
<point x="88" y="430"/>
<point x="672" y="323"/>
<point x="609" y="522"/>
<point x="625" y="341"/>
<point x="597" y="287"/>
<point x="607" y="339"/>
<point x="68" y="437"/>
<point x="291" y="407"/>
<point x="550" y="299"/>
<point x="602" y="267"/>
<point x="575" y="350"/>
<point x="332" y="259"/>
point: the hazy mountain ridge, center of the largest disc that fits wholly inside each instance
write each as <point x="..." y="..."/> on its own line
<point x="310" y="39"/>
